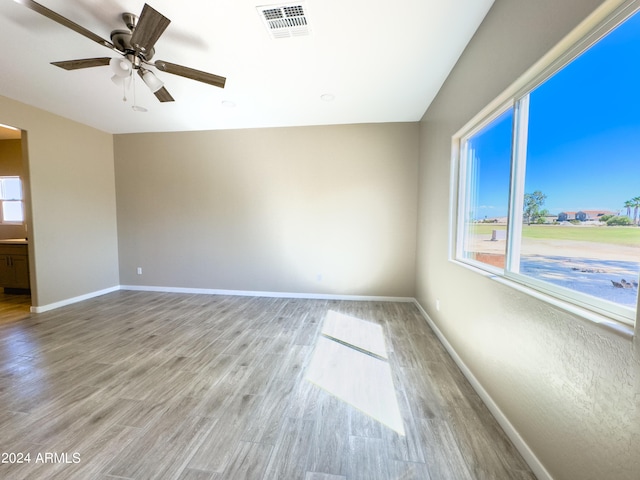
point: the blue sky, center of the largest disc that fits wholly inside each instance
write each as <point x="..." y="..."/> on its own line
<point x="583" y="149"/>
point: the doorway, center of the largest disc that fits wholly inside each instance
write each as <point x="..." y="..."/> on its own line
<point x="15" y="284"/>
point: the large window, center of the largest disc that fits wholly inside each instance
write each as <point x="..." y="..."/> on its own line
<point x="11" y="202"/>
<point x="548" y="184"/>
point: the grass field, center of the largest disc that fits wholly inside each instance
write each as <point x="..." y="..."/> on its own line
<point x="629" y="236"/>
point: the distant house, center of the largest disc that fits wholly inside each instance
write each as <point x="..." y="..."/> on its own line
<point x="584" y="215"/>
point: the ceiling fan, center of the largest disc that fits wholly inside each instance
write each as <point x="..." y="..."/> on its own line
<point x="136" y="47"/>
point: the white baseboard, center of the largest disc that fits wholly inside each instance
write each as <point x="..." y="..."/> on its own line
<point x="252" y="293"/>
<point x="69" y="301"/>
<point x="209" y="291"/>
<point x="536" y="466"/>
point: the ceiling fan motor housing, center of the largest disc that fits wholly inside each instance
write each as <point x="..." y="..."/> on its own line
<point x="121" y="39"/>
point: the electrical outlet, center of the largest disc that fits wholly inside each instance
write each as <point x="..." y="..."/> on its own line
<point x="139" y="270"/>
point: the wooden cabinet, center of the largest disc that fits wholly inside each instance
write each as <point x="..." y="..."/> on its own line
<point x="14" y="266"/>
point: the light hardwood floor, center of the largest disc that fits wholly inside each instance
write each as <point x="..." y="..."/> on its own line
<point x="171" y="386"/>
<point x="13" y="307"/>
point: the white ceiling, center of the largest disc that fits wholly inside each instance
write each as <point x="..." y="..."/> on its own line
<point x="383" y="61"/>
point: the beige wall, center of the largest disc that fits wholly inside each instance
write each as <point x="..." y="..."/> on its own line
<point x="305" y="210"/>
<point x="570" y="388"/>
<point x="73" y="245"/>
<point x="10" y="165"/>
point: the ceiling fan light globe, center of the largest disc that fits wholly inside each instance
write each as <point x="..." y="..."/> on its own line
<point x="121" y="67"/>
<point x="121" y="81"/>
<point x="153" y="82"/>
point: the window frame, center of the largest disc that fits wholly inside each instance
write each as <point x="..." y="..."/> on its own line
<point x="617" y="317"/>
<point x="21" y="200"/>
<point x="463" y="183"/>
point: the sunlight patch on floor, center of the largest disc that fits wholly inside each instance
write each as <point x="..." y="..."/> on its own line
<point x="350" y="363"/>
<point x="354" y="331"/>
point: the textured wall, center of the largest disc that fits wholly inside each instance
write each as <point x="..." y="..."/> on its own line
<point x="73" y="240"/>
<point x="570" y="388"/>
<point x="305" y="210"/>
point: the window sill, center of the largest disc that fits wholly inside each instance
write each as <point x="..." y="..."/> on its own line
<point x="602" y="321"/>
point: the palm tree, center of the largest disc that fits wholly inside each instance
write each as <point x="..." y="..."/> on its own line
<point x="635" y="205"/>
<point x="628" y="204"/>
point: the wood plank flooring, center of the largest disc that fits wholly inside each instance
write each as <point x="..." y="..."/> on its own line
<point x="143" y="385"/>
<point x="13" y="307"/>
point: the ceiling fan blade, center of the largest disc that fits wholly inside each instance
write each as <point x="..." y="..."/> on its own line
<point x="150" y="26"/>
<point x="56" y="17"/>
<point x="163" y="95"/>
<point x="193" y="74"/>
<point x="84" y="63"/>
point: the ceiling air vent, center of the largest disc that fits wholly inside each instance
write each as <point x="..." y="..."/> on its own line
<point x="283" y="21"/>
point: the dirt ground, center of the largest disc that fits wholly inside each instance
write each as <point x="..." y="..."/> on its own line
<point x="587" y="267"/>
<point x="564" y="248"/>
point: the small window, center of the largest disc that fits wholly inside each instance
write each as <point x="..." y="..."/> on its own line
<point x="548" y="194"/>
<point x="11" y="201"/>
